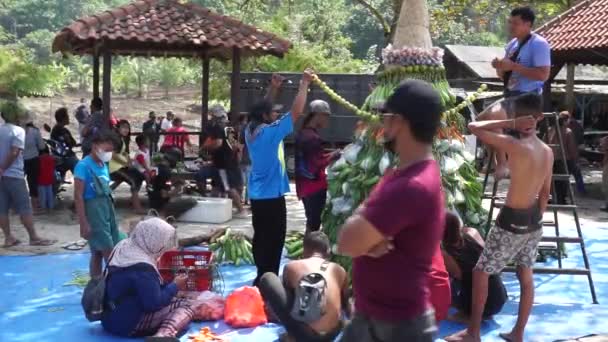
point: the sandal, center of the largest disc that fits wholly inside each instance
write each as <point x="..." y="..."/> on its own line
<point x="75" y="246"/>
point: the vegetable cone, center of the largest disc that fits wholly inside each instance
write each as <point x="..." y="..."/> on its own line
<point x="352" y="177"/>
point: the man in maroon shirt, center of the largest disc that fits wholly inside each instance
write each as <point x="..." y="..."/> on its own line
<point x="395" y="233"/>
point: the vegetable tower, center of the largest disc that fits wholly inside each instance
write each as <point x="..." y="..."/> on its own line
<point x="351" y="178"/>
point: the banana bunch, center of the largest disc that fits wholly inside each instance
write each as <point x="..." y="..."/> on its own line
<point x="232" y="248"/>
<point x="294" y="243"/>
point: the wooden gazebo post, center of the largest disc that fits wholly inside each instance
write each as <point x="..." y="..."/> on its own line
<point x="95" y="75"/>
<point x="204" y="97"/>
<point x="107" y="85"/>
<point x="235" y="84"/>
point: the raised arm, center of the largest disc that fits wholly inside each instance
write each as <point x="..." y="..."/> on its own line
<point x="275" y="85"/>
<point x="485" y="131"/>
<point x="300" y="100"/>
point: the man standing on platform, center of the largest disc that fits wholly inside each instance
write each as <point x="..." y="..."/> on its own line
<point x="518" y="228"/>
<point x="393" y="238"/>
<point x="524" y="69"/>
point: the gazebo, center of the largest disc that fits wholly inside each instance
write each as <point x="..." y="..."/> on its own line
<point x="166" y="28"/>
<point x="577" y="36"/>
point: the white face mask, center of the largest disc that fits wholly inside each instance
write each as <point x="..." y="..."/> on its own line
<point x="104" y="156"/>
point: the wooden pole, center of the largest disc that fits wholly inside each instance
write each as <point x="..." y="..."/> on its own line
<point x="95" y="75"/>
<point x="235" y="85"/>
<point x="107" y="86"/>
<point x="204" y="98"/>
<point x="570" y="101"/>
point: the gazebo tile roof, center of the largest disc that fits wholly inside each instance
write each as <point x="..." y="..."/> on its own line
<point x="583" y="26"/>
<point x="166" y="27"/>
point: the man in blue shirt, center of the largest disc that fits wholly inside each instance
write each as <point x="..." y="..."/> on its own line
<point x="268" y="181"/>
<point x="524" y="69"/>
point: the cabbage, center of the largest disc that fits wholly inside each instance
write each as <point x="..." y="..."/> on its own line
<point x="345" y="188"/>
<point x="449" y="165"/>
<point x="443" y="146"/>
<point x="338" y="162"/>
<point x="351" y="152"/>
<point x="467" y="156"/>
<point x="341" y="205"/>
<point x="385" y="162"/>
<point x="367" y="163"/>
<point x="456" y="145"/>
<point x="458" y="159"/>
<point x="473" y="217"/>
<point x="459" y="197"/>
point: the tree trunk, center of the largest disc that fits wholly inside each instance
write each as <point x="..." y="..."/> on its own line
<point x="413" y="25"/>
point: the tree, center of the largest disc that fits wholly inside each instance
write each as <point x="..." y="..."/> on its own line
<point x="19" y="77"/>
<point x="39" y="42"/>
<point x="170" y="73"/>
<point x="81" y="72"/>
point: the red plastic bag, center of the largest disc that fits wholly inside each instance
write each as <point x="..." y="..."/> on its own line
<point x="209" y="306"/>
<point x="245" y="308"/>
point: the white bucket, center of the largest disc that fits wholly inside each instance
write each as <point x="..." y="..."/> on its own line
<point x="209" y="210"/>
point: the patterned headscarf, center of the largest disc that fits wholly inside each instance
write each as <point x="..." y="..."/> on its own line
<point x="147" y="242"/>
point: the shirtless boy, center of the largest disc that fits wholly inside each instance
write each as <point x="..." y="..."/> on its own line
<point x="518" y="228"/>
<point x="279" y="295"/>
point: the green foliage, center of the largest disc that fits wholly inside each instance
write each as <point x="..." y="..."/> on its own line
<point x="18" y="77"/>
<point x="39" y="42"/>
<point x="171" y="73"/>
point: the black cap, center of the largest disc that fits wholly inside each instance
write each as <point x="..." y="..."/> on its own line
<point x="420" y="104"/>
<point x="414" y="98"/>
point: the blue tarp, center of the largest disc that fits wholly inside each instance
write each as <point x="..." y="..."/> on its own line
<point x="36" y="306"/>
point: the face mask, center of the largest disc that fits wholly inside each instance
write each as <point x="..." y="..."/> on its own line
<point x="104" y="156"/>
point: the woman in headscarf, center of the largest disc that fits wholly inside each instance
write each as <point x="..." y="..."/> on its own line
<point x="139" y="303"/>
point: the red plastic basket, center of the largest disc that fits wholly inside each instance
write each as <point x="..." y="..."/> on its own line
<point x="197" y="264"/>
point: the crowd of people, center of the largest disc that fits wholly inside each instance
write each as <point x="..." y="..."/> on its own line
<point x="412" y="259"/>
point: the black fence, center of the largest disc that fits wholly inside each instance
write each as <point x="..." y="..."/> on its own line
<point x="354" y="88"/>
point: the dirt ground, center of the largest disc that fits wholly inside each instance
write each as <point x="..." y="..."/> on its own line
<point x="62" y="224"/>
<point x="133" y="109"/>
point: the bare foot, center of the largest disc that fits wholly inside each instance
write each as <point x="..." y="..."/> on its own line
<point x="463" y="336"/>
<point x="42" y="242"/>
<point x="11" y="242"/>
<point x="512" y="337"/>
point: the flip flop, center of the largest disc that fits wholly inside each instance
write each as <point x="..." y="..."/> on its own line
<point x="15" y="243"/>
<point x="75" y="246"/>
<point x="505" y="336"/>
<point x="43" y="242"/>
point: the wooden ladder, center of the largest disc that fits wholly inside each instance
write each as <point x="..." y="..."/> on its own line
<point x="498" y="202"/>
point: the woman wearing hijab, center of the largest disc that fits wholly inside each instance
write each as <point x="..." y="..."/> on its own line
<point x="142" y="304"/>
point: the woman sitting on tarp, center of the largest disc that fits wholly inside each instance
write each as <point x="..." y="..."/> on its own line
<point x="462" y="247"/>
<point x="139" y="302"/>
